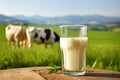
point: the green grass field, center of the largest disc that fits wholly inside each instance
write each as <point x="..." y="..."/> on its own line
<point x="103" y="52"/>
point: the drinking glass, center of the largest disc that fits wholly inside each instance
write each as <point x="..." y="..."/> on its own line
<point x="73" y="44"/>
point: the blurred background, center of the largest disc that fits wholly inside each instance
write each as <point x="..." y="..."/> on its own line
<point x="101" y="16"/>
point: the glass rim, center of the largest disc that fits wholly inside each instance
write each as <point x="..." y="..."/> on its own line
<point x="72" y="25"/>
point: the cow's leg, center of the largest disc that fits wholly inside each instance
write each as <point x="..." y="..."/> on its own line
<point x="9" y="43"/>
<point x="29" y="43"/>
<point x="45" y="45"/>
<point x="13" y="44"/>
<point x="18" y="44"/>
<point x="52" y="42"/>
<point x="29" y="39"/>
<point x="21" y="43"/>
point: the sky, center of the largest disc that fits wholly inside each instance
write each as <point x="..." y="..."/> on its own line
<point x="54" y="8"/>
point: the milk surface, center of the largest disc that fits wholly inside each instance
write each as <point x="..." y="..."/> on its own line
<point x="74" y="53"/>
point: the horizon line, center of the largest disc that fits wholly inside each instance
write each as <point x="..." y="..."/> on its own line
<point x="59" y="15"/>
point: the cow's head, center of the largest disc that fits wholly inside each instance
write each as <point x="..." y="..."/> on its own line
<point x="31" y="29"/>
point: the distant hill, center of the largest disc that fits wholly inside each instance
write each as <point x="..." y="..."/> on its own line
<point x="12" y="20"/>
<point x="94" y="22"/>
<point x="70" y="19"/>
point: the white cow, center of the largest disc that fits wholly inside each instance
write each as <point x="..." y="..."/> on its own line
<point x="40" y="35"/>
<point x="16" y="34"/>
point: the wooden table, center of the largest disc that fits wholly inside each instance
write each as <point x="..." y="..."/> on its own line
<point x="41" y="73"/>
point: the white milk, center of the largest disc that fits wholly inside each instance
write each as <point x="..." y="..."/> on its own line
<point x="74" y="53"/>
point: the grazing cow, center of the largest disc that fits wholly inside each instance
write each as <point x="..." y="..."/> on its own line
<point x="40" y="35"/>
<point x="16" y="34"/>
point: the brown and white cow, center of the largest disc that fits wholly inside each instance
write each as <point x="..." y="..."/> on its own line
<point x="16" y="34"/>
<point x="41" y="35"/>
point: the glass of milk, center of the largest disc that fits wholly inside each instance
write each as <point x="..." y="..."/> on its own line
<point x="73" y="44"/>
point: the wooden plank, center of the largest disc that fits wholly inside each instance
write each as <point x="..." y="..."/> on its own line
<point x="41" y="73"/>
